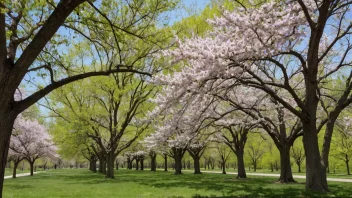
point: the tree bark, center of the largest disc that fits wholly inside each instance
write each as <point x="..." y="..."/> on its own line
<point x="110" y="160"/>
<point x="7" y="120"/>
<point x="178" y="164"/>
<point x="299" y="167"/>
<point x="102" y="166"/>
<point x="153" y="163"/>
<point x="196" y="165"/>
<point x="93" y="166"/>
<point x="165" y="162"/>
<point x="285" y="164"/>
<point x="315" y="172"/>
<point x="31" y="164"/>
<point x="223" y="167"/>
<point x="15" y="165"/>
<point x="241" y="171"/>
<point x="142" y="164"/>
<point x="137" y="164"/>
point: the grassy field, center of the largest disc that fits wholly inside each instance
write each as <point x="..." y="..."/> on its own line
<point x="341" y="175"/>
<point x="130" y="183"/>
<point x="8" y="171"/>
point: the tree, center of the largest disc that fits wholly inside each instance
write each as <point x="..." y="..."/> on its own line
<point x="255" y="152"/>
<point x="224" y="154"/>
<point x="280" y="47"/>
<point x="152" y="155"/>
<point x="31" y="141"/>
<point x="196" y="150"/>
<point x="20" y="28"/>
<point x="139" y="156"/>
<point x="234" y="129"/>
<point x="16" y="159"/>
<point x="298" y="155"/>
<point x="343" y="142"/>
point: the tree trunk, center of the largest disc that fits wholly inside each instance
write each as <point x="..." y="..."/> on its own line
<point x="178" y="164"/>
<point x="153" y="163"/>
<point x="241" y="171"/>
<point x="31" y="168"/>
<point x="7" y="120"/>
<point x="142" y="164"/>
<point x="255" y="166"/>
<point x="196" y="165"/>
<point x="347" y="166"/>
<point x="329" y="129"/>
<point x="110" y="160"/>
<point x="15" y="165"/>
<point x="223" y="167"/>
<point x="285" y="164"/>
<point x="299" y="167"/>
<point x="102" y="166"/>
<point x="137" y="164"/>
<point x="129" y="166"/>
<point x="165" y="163"/>
<point x="117" y="165"/>
<point x="93" y="166"/>
<point x="315" y="172"/>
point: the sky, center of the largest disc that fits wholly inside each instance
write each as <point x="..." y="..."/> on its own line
<point x="187" y="7"/>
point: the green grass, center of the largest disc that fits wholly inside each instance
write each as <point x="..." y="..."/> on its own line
<point x="130" y="183"/>
<point x="341" y="175"/>
<point x="8" y="171"/>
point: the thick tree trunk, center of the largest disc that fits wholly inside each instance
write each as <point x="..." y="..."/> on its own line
<point x="110" y="160"/>
<point x="102" y="166"/>
<point x="241" y="171"/>
<point x="196" y="165"/>
<point x="165" y="162"/>
<point x="6" y="125"/>
<point x="286" y="171"/>
<point x="315" y="172"/>
<point x="178" y="164"/>
<point x="93" y="166"/>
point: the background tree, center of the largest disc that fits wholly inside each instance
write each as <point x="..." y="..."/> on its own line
<point x="32" y="26"/>
<point x="32" y="141"/>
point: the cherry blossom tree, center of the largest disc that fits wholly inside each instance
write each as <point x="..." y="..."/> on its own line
<point x="16" y="158"/>
<point x="281" y="48"/>
<point x="32" y="141"/>
<point x="233" y="132"/>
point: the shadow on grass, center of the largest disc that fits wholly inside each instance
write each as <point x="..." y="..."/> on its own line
<point x="204" y="185"/>
<point x="228" y="186"/>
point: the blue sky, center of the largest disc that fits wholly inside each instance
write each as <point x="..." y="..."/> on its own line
<point x="187" y="7"/>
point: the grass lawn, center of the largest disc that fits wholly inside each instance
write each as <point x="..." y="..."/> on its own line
<point x="8" y="171"/>
<point x="130" y="183"/>
<point x="341" y="175"/>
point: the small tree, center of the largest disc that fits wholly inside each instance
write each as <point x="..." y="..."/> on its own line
<point x="31" y="140"/>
